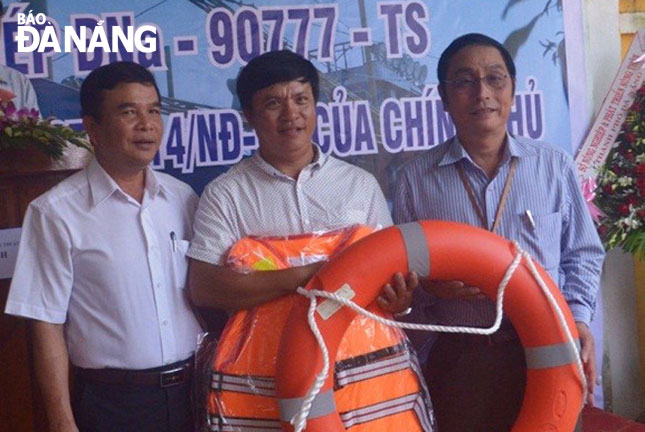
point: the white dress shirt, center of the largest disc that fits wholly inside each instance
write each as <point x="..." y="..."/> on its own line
<point x="111" y="269"/>
<point x="254" y="198"/>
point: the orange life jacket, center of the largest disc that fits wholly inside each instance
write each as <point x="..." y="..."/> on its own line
<point x="377" y="381"/>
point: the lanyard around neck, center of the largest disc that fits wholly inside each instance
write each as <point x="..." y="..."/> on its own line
<point x="502" y="199"/>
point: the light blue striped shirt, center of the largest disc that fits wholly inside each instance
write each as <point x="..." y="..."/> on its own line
<point x="564" y="240"/>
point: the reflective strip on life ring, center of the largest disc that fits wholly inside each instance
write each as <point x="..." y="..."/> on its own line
<point x="445" y="251"/>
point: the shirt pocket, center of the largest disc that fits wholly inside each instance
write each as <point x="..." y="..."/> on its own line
<point x="343" y="217"/>
<point x="540" y="235"/>
<point x="182" y="247"/>
<point x="356" y="216"/>
<point x="178" y="249"/>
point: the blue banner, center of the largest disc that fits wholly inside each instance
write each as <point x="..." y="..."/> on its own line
<point x="379" y="104"/>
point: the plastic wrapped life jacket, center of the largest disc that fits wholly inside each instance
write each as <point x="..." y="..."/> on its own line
<point x="377" y="380"/>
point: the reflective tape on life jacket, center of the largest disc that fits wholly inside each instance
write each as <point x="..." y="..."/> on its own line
<point x="238" y="424"/>
<point x="366" y="366"/>
<point x="378" y="382"/>
<point x="355" y="369"/>
<point x="444" y="251"/>
<point x="381" y="410"/>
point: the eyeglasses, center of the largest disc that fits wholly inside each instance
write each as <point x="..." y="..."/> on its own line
<point x="492" y="81"/>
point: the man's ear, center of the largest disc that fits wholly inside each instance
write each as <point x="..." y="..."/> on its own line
<point x="249" y="117"/>
<point x="90" y="125"/>
<point x="513" y="93"/>
<point x="444" y="98"/>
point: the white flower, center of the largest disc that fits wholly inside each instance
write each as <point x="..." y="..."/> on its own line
<point x="631" y="221"/>
<point x="624" y="181"/>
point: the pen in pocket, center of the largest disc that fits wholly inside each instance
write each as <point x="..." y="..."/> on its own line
<point x="173" y="239"/>
<point x="529" y="215"/>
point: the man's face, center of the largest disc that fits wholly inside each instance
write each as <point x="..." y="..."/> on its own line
<point x="284" y="117"/>
<point x="478" y="110"/>
<point x="128" y="133"/>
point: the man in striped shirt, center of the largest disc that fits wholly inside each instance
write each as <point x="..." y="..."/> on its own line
<point x="523" y="190"/>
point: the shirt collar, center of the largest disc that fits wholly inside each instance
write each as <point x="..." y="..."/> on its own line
<point x="318" y="161"/>
<point x="153" y="185"/>
<point x="102" y="186"/>
<point x="457" y="152"/>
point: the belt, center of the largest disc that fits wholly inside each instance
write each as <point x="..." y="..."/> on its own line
<point x="167" y="376"/>
<point x="499" y="337"/>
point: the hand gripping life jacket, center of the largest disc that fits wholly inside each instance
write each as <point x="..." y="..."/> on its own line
<point x="377" y="382"/>
<point x="445" y="251"/>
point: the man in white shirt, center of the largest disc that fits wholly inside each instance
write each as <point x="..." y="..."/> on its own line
<point x="101" y="272"/>
<point x="288" y="187"/>
<point x="14" y="86"/>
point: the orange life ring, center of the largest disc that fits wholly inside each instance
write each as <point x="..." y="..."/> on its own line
<point x="448" y="251"/>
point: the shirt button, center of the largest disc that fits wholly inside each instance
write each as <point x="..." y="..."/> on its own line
<point x="164" y="322"/>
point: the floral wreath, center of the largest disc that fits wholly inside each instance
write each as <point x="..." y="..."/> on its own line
<point x="621" y="185"/>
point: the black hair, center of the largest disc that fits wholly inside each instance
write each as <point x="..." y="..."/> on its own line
<point x="469" y="40"/>
<point x="107" y="78"/>
<point x="271" y="68"/>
